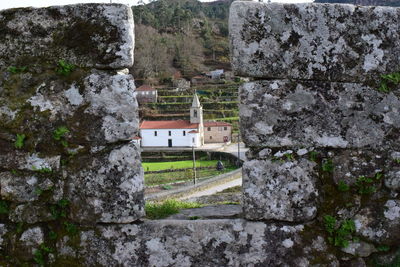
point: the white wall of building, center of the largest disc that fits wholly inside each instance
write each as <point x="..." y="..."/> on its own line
<point x="149" y="139"/>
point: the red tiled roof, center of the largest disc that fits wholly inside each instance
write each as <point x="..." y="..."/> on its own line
<point x="145" y="87"/>
<point x="216" y="123"/>
<point x="199" y="77"/>
<point x="193" y="131"/>
<point x="137" y="138"/>
<point x="177" y="124"/>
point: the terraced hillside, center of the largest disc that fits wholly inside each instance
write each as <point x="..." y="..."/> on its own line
<point x="220" y="103"/>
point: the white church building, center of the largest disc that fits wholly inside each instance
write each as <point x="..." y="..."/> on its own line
<point x="175" y="133"/>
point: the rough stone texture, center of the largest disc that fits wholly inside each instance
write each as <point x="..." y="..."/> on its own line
<point x="392" y="180"/>
<point x="285" y="191"/>
<point x="108" y="185"/>
<point x="380" y="223"/>
<point x="196" y="243"/>
<point x="323" y="138"/>
<point x="284" y="113"/>
<point x="361" y="249"/>
<point x="75" y="199"/>
<point x="88" y="173"/>
<point x="93" y="35"/>
<point x="343" y="43"/>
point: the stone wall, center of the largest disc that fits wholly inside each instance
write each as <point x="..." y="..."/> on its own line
<point x="67" y="112"/>
<point x="322" y="123"/>
<point x="322" y="183"/>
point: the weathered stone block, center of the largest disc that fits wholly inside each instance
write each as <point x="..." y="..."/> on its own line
<point x="96" y="107"/>
<point x="350" y="165"/>
<point x="106" y="186"/>
<point x="284" y="113"/>
<point x="21" y="188"/>
<point x="233" y="242"/>
<point x="31" y="213"/>
<point x="29" y="242"/>
<point x="88" y="35"/>
<point x="343" y="43"/>
<point x="380" y="222"/>
<point x="276" y="190"/>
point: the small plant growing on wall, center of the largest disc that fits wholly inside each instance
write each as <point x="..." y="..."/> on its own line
<point x="19" y="142"/>
<point x="343" y="187"/>
<point x="313" y="156"/>
<point x="59" y="135"/>
<point x="64" y="68"/>
<point x="389" y="81"/>
<point x="60" y="209"/>
<point x="15" y="70"/>
<point x="3" y="207"/>
<point x="327" y="165"/>
<point x="339" y="234"/>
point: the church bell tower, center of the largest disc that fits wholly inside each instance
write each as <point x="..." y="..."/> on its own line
<point x="196" y="111"/>
<point x="196" y="116"/>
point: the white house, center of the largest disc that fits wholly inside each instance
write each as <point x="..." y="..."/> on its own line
<point x="175" y="133"/>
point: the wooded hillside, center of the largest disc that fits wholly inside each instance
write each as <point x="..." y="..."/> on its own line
<point x="184" y="35"/>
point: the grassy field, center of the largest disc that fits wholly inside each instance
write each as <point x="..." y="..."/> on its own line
<point x="152" y="179"/>
<point x="159" y="166"/>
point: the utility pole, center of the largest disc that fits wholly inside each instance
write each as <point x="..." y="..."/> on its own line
<point x="194" y="165"/>
<point x="238" y="161"/>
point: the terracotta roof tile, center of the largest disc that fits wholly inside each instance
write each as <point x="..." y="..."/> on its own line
<point x="194" y="131"/>
<point x="145" y="87"/>
<point x="176" y="124"/>
<point x="216" y="123"/>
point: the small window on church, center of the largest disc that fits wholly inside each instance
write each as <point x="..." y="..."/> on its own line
<point x="155" y="133"/>
<point x="210" y="137"/>
<point x="209" y="129"/>
<point x="184" y="133"/>
<point x="193" y="140"/>
<point x="225" y="128"/>
<point x="169" y="133"/>
<point x="195" y="113"/>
